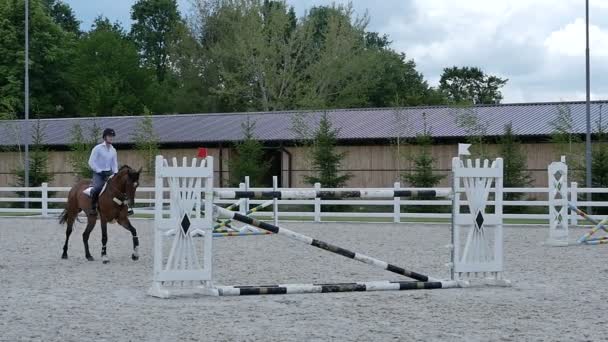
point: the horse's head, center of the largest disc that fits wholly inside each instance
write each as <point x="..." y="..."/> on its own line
<point x="128" y="181"/>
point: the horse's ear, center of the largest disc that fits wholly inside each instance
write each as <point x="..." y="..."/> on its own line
<point x="139" y="171"/>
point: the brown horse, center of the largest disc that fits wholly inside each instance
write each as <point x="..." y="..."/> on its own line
<point x="114" y="202"/>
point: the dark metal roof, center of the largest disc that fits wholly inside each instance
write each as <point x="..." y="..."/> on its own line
<point x="528" y="119"/>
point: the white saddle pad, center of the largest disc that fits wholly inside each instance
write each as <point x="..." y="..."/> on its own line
<point x="87" y="191"/>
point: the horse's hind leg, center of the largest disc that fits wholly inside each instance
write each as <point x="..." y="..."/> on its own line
<point x="68" y="232"/>
<point x="127" y="225"/>
<point x="85" y="237"/>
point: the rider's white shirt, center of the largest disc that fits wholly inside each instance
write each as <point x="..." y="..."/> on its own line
<point x="103" y="158"/>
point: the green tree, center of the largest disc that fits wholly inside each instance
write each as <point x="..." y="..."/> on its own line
<point x="10" y="124"/>
<point x="154" y="24"/>
<point x="568" y="142"/>
<point x="471" y="85"/>
<point x="80" y="149"/>
<point x="188" y="88"/>
<point x="248" y="159"/>
<point x="515" y="174"/>
<point x="63" y="15"/>
<point x="257" y="56"/>
<point x="38" y="164"/>
<point x="476" y="129"/>
<point x="423" y="175"/>
<point x="599" y="166"/>
<point x="106" y="75"/>
<point x="325" y="159"/>
<point x="51" y="50"/>
<point x="146" y="142"/>
<point x="253" y="53"/>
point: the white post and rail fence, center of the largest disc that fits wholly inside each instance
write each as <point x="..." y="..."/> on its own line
<point x="48" y="201"/>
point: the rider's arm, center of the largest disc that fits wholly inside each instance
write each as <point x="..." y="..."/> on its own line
<point x="114" y="163"/>
<point x="92" y="160"/>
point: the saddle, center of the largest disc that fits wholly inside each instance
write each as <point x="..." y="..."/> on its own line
<point x="88" y="190"/>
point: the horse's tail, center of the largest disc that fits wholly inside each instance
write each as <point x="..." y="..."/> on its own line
<point x="63" y="218"/>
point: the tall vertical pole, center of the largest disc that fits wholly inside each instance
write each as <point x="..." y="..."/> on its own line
<point x="27" y="101"/>
<point x="588" y="136"/>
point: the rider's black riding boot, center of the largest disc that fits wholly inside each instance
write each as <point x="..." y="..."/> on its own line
<point x="94" y="199"/>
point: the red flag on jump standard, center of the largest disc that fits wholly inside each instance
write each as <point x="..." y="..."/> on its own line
<point x="202" y="152"/>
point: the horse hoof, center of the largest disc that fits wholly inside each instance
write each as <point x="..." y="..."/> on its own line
<point x="106" y="261"/>
<point x="64" y="256"/>
<point x="90" y="258"/>
<point x="134" y="257"/>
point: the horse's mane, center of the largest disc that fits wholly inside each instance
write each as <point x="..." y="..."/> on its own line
<point x="125" y="167"/>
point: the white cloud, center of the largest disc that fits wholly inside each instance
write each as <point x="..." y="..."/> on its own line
<point x="570" y="40"/>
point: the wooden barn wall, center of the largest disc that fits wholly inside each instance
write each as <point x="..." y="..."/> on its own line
<point x="370" y="166"/>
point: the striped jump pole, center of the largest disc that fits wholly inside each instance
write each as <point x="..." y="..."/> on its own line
<point x="219" y="232"/>
<point x="336" y="287"/>
<point x="251" y="211"/>
<point x="226" y="234"/>
<point x="598" y="225"/>
<point x="223" y="213"/>
<point x="598" y="241"/>
<point x="308" y="194"/>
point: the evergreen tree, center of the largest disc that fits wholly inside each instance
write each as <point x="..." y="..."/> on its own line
<point x="423" y="176"/>
<point x="325" y="159"/>
<point x="248" y="159"/>
<point x="599" y="167"/>
<point x="146" y="142"/>
<point x="515" y="174"/>
<point x="568" y="142"/>
<point x="38" y="164"/>
<point x="80" y="147"/>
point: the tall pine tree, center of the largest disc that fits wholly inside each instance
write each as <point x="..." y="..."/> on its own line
<point x="146" y="141"/>
<point x="515" y="171"/>
<point x="325" y="159"/>
<point x="38" y="164"/>
<point x="81" y="145"/>
<point x="248" y="159"/>
<point x="423" y="176"/>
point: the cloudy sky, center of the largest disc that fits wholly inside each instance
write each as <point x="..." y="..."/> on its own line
<point x="539" y="45"/>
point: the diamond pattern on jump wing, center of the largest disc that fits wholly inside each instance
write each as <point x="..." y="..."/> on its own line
<point x="479" y="220"/>
<point x="185" y="223"/>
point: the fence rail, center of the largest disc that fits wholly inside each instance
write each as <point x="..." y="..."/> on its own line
<point x="286" y="209"/>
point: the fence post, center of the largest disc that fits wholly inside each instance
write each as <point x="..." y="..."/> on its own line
<point x="247" y="185"/>
<point x="241" y="201"/>
<point x="317" y="204"/>
<point x="574" y="202"/>
<point x="275" y="202"/>
<point x="45" y="198"/>
<point x="397" y="204"/>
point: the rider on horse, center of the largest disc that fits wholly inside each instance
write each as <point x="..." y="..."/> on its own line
<point x="103" y="163"/>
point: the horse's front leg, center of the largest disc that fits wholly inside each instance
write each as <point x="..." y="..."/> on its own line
<point x="128" y="226"/>
<point x="104" y="240"/>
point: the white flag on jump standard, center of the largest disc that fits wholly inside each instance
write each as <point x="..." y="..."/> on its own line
<point x="463" y="149"/>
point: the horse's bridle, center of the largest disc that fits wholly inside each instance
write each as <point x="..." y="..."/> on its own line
<point x="118" y="201"/>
